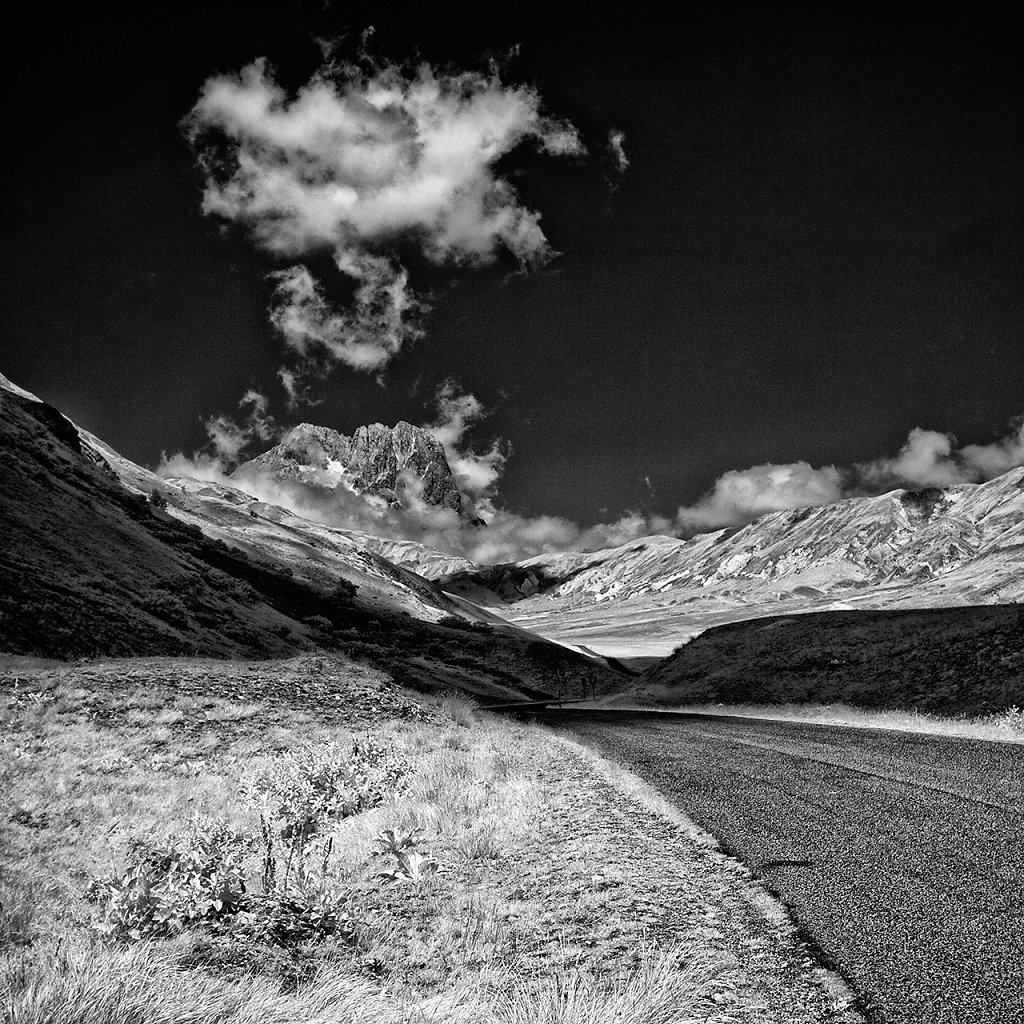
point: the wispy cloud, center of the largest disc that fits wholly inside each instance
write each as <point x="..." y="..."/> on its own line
<point x="477" y="473"/>
<point x="617" y="151"/>
<point x="382" y="318"/>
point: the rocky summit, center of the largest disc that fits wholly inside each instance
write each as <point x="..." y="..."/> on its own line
<point x="399" y="464"/>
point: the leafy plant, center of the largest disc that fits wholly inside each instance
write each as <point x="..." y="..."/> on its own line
<point x="195" y="877"/>
<point x="305" y="790"/>
<point x="408" y="864"/>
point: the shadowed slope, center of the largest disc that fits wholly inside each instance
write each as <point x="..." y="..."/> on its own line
<point x="87" y="567"/>
<point x="944" y="659"/>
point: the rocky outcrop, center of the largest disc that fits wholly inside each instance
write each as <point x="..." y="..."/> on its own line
<point x="403" y="464"/>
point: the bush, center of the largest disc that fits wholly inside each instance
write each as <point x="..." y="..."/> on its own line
<point x="318" y="622"/>
<point x="195" y="877"/>
<point x="466" y="625"/>
<point x="168" y="607"/>
<point x="304" y="791"/>
<point x="344" y="592"/>
<point x="198" y="879"/>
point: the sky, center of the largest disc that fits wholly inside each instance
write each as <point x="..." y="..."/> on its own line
<point x="708" y="263"/>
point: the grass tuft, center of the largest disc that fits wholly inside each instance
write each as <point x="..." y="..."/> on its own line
<point x="662" y="991"/>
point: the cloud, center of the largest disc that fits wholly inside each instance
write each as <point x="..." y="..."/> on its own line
<point x="932" y="459"/>
<point x="507" y="537"/>
<point x="928" y="458"/>
<point x="992" y="460"/>
<point x="615" y="149"/>
<point x="740" y="496"/>
<point x="228" y="437"/>
<point x="356" y="164"/>
<point x="365" y="337"/>
<point x="477" y="474"/>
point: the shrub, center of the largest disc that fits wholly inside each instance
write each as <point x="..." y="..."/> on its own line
<point x="305" y="790"/>
<point x="344" y="592"/>
<point x="168" y="607"/>
<point x="466" y="625"/>
<point x="194" y="877"/>
<point x="291" y="916"/>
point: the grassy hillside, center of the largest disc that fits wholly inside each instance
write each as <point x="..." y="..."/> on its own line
<point x="960" y="660"/>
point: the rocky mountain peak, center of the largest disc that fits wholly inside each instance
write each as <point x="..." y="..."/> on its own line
<point x="399" y="464"/>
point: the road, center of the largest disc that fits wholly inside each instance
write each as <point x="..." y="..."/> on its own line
<point x="900" y="855"/>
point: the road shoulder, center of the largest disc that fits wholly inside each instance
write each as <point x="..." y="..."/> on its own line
<point x="665" y="881"/>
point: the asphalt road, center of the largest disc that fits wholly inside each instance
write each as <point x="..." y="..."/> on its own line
<point x="900" y="855"/>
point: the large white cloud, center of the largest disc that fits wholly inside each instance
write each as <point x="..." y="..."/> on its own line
<point x="740" y="496"/>
<point x="929" y="458"/>
<point x="355" y="163"/>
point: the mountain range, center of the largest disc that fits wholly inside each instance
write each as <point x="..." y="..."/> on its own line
<point x="401" y="465"/>
<point x="957" y="546"/>
<point x="105" y="556"/>
<point x="102" y="556"/>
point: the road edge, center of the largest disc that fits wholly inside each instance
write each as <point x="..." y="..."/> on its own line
<point x="752" y="889"/>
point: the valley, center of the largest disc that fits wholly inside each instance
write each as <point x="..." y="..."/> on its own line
<point x="163" y="635"/>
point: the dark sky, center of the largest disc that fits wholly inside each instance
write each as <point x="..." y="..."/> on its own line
<point x="817" y="245"/>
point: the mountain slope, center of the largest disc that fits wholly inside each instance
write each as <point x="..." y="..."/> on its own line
<point x="90" y="566"/>
<point x="87" y="567"/>
<point x="958" y="546"/>
<point x="948" y="659"/>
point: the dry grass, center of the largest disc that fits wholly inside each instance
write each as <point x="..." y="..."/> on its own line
<point x="90" y="983"/>
<point x="83" y="779"/>
<point x="1007" y="726"/>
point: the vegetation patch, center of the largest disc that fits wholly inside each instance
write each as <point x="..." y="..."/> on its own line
<point x="195" y="841"/>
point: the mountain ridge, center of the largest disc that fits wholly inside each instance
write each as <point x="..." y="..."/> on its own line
<point x="103" y="557"/>
<point x="402" y="465"/>
<point x="903" y="549"/>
